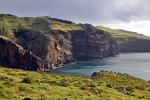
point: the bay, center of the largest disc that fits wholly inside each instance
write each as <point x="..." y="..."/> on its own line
<point x="135" y="64"/>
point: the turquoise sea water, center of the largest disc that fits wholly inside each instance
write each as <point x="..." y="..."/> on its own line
<point x="135" y="64"/>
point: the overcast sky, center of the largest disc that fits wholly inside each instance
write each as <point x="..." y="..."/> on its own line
<point x="132" y="15"/>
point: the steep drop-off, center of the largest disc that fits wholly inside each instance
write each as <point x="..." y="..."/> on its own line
<point x="59" y="47"/>
<point x="14" y="56"/>
<point x="129" y="41"/>
<point x="57" y="41"/>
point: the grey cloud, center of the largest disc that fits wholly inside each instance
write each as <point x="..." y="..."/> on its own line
<point x="135" y="12"/>
<point x="90" y="11"/>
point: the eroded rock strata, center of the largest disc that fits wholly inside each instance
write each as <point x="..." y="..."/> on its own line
<point x="49" y="42"/>
<point x="59" y="47"/>
<point x="14" y="56"/>
<point x="129" y="41"/>
<point x="135" y="45"/>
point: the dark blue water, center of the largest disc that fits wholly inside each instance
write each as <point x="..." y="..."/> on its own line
<point x="135" y="64"/>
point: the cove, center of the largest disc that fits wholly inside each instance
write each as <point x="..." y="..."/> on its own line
<point x="135" y="64"/>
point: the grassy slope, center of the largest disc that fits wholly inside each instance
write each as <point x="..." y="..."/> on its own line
<point x="123" y="35"/>
<point x="17" y="84"/>
<point x="10" y="23"/>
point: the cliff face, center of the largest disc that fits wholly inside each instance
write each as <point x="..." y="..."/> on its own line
<point x="54" y="48"/>
<point x="59" y="47"/>
<point x="14" y="56"/>
<point x="93" y="44"/>
<point x="135" y="45"/>
<point x="54" y="41"/>
<point x="129" y="41"/>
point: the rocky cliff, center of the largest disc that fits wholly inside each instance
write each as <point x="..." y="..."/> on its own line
<point x="54" y="41"/>
<point x="129" y="41"/>
<point x="92" y="43"/>
<point x="59" y="47"/>
<point x="135" y="45"/>
<point x="14" y="56"/>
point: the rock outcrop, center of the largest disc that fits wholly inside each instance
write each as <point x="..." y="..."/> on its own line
<point x="14" y="56"/>
<point x="59" y="47"/>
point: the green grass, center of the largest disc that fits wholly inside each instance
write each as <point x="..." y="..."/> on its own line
<point x="16" y="84"/>
<point x="123" y="35"/>
<point x="57" y="25"/>
<point x="44" y="24"/>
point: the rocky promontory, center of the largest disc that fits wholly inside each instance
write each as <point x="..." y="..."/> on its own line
<point x="54" y="41"/>
<point x="59" y="47"/>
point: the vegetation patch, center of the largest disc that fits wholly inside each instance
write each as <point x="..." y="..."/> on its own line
<point x="122" y="36"/>
<point x="28" y="80"/>
<point x="16" y="84"/>
<point x="9" y="24"/>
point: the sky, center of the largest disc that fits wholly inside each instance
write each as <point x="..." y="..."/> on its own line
<point x="131" y="15"/>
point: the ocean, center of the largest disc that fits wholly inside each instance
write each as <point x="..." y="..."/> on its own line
<point x="135" y="64"/>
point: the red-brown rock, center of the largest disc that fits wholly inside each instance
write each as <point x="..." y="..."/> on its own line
<point x="14" y="56"/>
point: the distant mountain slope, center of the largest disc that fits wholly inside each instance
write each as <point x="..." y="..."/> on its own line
<point x="58" y="41"/>
<point x="129" y="41"/>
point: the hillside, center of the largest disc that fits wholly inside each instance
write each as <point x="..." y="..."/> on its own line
<point x="129" y="41"/>
<point x="11" y="23"/>
<point x="57" y="41"/>
<point x="18" y="84"/>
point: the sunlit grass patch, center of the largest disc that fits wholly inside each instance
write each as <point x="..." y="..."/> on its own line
<point x="18" y="84"/>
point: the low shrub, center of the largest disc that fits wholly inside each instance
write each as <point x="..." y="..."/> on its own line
<point x="4" y="78"/>
<point x="95" y="90"/>
<point x="10" y="83"/>
<point x="140" y="87"/>
<point x="129" y="88"/>
<point x="92" y="85"/>
<point x="25" y="89"/>
<point x="84" y="88"/>
<point x="3" y="94"/>
<point x="22" y="88"/>
<point x="28" y="80"/>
